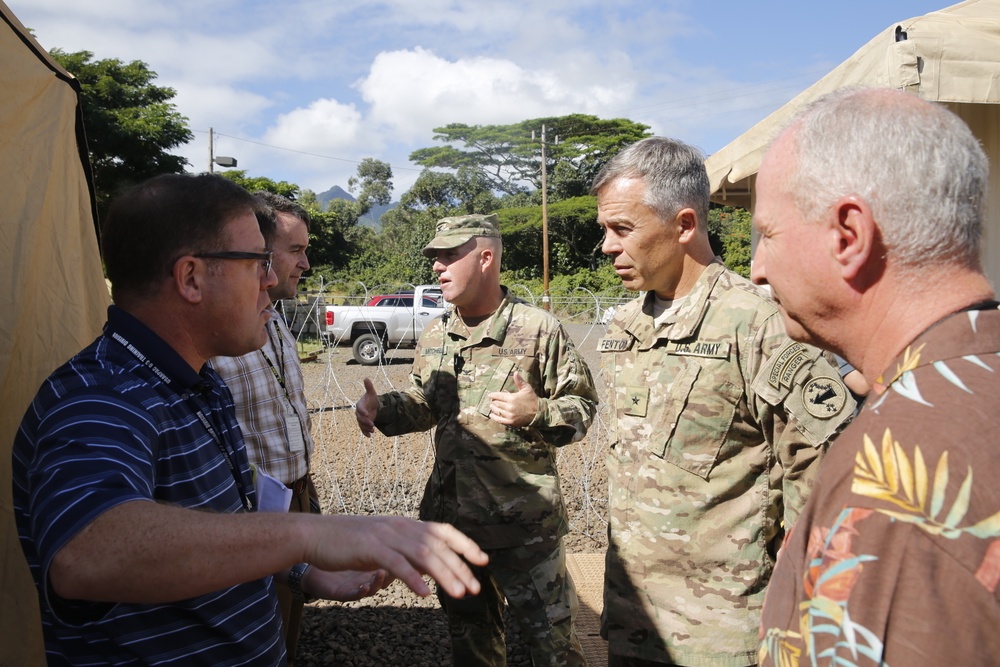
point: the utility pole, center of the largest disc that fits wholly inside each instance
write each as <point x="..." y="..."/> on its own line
<point x="545" y="231"/>
<point x="213" y="159"/>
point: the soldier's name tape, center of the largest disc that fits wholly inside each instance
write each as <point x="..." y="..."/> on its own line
<point x="699" y="348"/>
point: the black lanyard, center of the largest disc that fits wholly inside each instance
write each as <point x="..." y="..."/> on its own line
<point x="237" y="476"/>
<point x="279" y="350"/>
<point x="202" y="417"/>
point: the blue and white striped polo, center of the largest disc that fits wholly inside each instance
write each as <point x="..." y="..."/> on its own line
<point x="127" y="419"/>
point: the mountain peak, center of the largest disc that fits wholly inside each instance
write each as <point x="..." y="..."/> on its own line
<point x="336" y="192"/>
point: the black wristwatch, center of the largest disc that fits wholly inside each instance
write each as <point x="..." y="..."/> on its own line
<point x="295" y="575"/>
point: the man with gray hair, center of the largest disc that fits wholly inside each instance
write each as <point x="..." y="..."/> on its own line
<point x="718" y="420"/>
<point x="870" y="209"/>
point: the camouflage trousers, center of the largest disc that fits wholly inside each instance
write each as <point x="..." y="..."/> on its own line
<point x="542" y="600"/>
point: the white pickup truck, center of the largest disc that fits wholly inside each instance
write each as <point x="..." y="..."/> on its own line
<point x="395" y="321"/>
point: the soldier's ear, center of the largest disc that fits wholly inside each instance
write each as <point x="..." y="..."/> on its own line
<point x="486" y="257"/>
<point x="686" y="223"/>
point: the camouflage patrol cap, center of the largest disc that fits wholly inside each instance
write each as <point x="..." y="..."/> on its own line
<point x="455" y="231"/>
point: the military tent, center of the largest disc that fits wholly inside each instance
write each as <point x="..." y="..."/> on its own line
<point x="951" y="56"/>
<point x="54" y="297"/>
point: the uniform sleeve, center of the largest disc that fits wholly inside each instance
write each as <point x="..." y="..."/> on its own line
<point x="569" y="403"/>
<point x="409" y="410"/>
<point x="801" y="404"/>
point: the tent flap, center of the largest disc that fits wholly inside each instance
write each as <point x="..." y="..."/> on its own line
<point x="54" y="297"/>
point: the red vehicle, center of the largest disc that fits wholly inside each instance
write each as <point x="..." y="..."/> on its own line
<point x="405" y="300"/>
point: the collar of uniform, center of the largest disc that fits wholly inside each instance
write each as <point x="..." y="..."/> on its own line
<point x="685" y="322"/>
<point x="155" y="349"/>
<point x="494" y="328"/>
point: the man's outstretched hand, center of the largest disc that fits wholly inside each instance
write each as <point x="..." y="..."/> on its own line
<point x="405" y="548"/>
<point x="366" y="408"/>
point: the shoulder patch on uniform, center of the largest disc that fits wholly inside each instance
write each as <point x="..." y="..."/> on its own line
<point x="786" y="365"/>
<point x="824" y="397"/>
<point x="614" y="344"/>
<point x="700" y="348"/>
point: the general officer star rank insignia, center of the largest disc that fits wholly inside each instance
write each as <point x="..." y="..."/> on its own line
<point x="636" y="401"/>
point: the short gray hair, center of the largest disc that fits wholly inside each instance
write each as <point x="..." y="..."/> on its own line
<point x="674" y="174"/>
<point x="916" y="164"/>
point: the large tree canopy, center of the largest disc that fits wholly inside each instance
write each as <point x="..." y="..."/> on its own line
<point x="574" y="237"/>
<point x="509" y="156"/>
<point x="129" y="122"/>
<point x="442" y="193"/>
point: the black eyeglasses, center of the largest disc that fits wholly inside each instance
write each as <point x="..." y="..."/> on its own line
<point x="264" y="257"/>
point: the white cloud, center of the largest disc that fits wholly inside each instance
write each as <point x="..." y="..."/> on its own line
<point x="208" y="104"/>
<point x="413" y="91"/>
<point x="281" y="73"/>
<point x="324" y="127"/>
<point x="315" y="146"/>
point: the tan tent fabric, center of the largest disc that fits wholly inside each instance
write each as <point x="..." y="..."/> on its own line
<point x="54" y="297"/>
<point x="951" y="55"/>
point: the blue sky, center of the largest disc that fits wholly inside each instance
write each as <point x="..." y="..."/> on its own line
<point x="302" y="90"/>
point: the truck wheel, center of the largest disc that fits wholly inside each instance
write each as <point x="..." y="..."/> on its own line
<point x="368" y="350"/>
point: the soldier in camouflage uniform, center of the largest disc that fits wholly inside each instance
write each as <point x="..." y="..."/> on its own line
<point x="503" y="385"/>
<point x="719" y="420"/>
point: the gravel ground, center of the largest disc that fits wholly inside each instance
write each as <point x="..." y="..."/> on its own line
<point x="386" y="476"/>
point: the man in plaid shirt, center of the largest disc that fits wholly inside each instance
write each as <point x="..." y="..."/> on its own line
<point x="268" y="389"/>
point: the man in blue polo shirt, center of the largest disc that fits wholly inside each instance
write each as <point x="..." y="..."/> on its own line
<point x="134" y="499"/>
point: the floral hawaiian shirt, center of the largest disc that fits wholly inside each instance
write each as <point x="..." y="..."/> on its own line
<point x="895" y="559"/>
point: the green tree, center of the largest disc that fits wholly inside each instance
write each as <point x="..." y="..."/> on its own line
<point x="255" y="183"/>
<point x="574" y="237"/>
<point x="394" y="255"/>
<point x="442" y="193"/>
<point x="729" y="229"/>
<point x="130" y="123"/>
<point x="307" y="199"/>
<point x="336" y="239"/>
<point x="509" y="156"/>
<point x="374" y="180"/>
<point x="328" y="231"/>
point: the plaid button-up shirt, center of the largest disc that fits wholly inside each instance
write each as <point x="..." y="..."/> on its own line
<point x="264" y="407"/>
